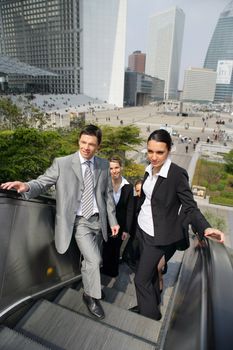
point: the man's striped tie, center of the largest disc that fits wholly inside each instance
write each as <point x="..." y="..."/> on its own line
<point x="88" y="193"/>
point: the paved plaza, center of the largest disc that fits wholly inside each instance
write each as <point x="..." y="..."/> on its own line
<point x="153" y="117"/>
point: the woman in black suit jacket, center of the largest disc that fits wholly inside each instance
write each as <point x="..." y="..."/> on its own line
<point x="123" y="196"/>
<point x="167" y="208"/>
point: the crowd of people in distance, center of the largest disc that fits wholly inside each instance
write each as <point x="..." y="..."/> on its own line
<point x="96" y="205"/>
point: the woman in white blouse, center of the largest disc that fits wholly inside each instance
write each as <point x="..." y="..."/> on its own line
<point x="166" y="209"/>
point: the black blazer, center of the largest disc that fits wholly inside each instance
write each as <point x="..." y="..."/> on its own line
<point x="125" y="209"/>
<point x="170" y="222"/>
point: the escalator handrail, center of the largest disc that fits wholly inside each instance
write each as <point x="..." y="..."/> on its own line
<point x="37" y="295"/>
<point x="210" y="264"/>
<point x="13" y="194"/>
<point x="220" y="277"/>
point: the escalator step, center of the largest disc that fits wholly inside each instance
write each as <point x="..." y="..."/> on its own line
<point x="67" y="330"/>
<point x="12" y="340"/>
<point x="123" y="282"/>
<point x="118" y="298"/>
<point x="123" y="320"/>
<point x="126" y="301"/>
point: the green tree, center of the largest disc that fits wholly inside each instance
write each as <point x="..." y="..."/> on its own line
<point x="26" y="153"/>
<point x="133" y="171"/>
<point x="119" y="140"/>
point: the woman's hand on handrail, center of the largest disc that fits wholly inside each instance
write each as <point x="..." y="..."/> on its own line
<point x="214" y="234"/>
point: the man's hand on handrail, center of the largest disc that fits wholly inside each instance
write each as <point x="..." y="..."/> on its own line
<point x="17" y="185"/>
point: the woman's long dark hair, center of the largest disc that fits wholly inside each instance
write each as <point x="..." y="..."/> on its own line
<point x="161" y="135"/>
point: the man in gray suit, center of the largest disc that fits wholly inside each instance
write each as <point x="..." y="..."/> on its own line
<point x="84" y="200"/>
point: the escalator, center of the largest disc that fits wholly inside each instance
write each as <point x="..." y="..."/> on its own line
<point x="41" y="303"/>
<point x="41" y="292"/>
<point x="66" y="324"/>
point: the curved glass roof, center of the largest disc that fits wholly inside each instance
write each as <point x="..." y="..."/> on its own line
<point x="10" y="65"/>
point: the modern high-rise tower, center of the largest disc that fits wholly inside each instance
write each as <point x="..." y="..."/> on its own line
<point x="137" y="61"/>
<point x="164" y="48"/>
<point x="103" y="49"/>
<point x="220" y="55"/>
<point x="82" y="41"/>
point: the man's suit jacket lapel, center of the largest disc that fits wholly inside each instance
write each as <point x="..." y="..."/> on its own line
<point x="76" y="166"/>
<point x="97" y="170"/>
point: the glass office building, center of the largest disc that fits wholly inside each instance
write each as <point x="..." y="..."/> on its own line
<point x="164" y="48"/>
<point x="220" y="55"/>
<point x="141" y="89"/>
<point x="45" y="34"/>
<point x="82" y="41"/>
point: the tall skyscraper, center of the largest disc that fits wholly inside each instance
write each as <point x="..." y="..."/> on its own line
<point x="220" y="55"/>
<point x="164" y="48"/>
<point x="103" y="49"/>
<point x="82" y="41"/>
<point x="137" y="61"/>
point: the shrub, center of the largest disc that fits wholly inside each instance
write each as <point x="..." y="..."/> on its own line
<point x="220" y="186"/>
<point x="226" y="194"/>
<point x="221" y="201"/>
<point x="215" y="221"/>
<point x="230" y="180"/>
<point x="213" y="187"/>
<point x="218" y="183"/>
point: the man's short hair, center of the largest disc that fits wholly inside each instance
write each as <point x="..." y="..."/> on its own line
<point x="92" y="130"/>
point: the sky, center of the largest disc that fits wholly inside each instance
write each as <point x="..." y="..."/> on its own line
<point x="201" y="17"/>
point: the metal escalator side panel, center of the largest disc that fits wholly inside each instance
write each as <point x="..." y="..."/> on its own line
<point x="29" y="260"/>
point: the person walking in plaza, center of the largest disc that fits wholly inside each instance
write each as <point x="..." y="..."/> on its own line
<point x="84" y="202"/>
<point x="124" y="200"/>
<point x="167" y="208"/>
